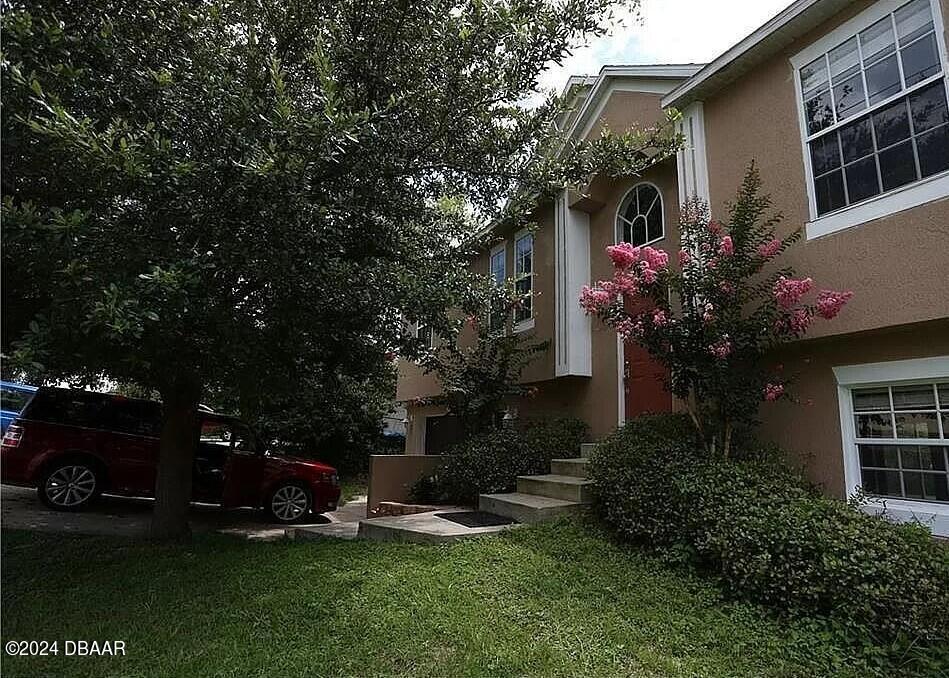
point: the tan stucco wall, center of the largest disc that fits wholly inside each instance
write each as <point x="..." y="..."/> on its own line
<point x="897" y="265"/>
<point x="810" y="429"/>
<point x="627" y="109"/>
<point x="391" y="476"/>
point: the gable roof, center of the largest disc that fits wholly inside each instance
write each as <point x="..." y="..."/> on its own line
<point x="797" y="19"/>
<point x="655" y="78"/>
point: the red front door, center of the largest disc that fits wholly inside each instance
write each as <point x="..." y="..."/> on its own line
<point x="643" y="377"/>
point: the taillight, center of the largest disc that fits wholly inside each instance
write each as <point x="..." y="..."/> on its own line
<point x="13" y="436"/>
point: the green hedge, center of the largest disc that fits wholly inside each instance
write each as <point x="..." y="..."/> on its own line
<point x="491" y="461"/>
<point x="770" y="536"/>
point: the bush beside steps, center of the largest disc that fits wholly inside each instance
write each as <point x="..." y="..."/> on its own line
<point x="769" y="536"/>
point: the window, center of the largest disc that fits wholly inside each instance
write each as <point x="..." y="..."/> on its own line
<point x="523" y="277"/>
<point x="875" y="114"/>
<point x="13" y="399"/>
<point x="424" y="332"/>
<point x="639" y="219"/>
<point x="498" y="264"/>
<point x="902" y="438"/>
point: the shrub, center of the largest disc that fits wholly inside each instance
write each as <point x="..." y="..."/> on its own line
<point x="490" y="462"/>
<point x="770" y="536"/>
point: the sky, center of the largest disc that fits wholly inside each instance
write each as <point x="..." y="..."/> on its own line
<point x="668" y="31"/>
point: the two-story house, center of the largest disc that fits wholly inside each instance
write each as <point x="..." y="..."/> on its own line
<point x="843" y="106"/>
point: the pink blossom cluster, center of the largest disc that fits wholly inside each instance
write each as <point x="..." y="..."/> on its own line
<point x="796" y="322"/>
<point x="769" y="249"/>
<point x="684" y="257"/>
<point x="708" y="313"/>
<point x="596" y="299"/>
<point x="830" y="302"/>
<point x="629" y="328"/>
<point x="773" y="391"/>
<point x="727" y="247"/>
<point x="722" y="348"/>
<point x="659" y="318"/>
<point x="788" y="291"/>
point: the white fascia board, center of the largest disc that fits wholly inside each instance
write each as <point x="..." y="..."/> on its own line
<point x="747" y="48"/>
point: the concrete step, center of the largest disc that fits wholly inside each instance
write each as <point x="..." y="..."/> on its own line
<point x="586" y="449"/>
<point x="568" y="488"/>
<point x="527" y="508"/>
<point x="569" y="467"/>
<point x="422" y="528"/>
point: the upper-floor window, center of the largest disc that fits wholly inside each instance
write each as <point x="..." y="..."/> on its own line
<point x="498" y="264"/>
<point x="524" y="277"/>
<point x="874" y="107"/>
<point x="639" y="219"/>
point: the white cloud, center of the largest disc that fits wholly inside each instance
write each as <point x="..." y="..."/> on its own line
<point x="668" y="31"/>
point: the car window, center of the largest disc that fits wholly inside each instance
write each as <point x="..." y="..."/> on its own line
<point x="13" y="400"/>
<point x="64" y="406"/>
<point x="136" y="417"/>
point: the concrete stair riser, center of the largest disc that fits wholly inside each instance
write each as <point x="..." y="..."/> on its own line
<point x="569" y="467"/>
<point x="527" y="508"/>
<point x="568" y="488"/>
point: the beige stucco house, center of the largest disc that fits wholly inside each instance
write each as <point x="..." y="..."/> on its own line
<point x="842" y="104"/>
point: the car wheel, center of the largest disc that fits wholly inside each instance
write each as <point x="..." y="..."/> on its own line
<point x="289" y="503"/>
<point x="70" y="485"/>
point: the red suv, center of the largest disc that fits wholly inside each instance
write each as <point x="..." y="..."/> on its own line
<point x="74" y="445"/>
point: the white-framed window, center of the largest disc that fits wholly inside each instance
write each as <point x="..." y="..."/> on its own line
<point x="874" y="114"/>
<point x="524" y="280"/>
<point x="639" y="219"/>
<point x="497" y="264"/>
<point x="424" y="332"/>
<point x="895" y="423"/>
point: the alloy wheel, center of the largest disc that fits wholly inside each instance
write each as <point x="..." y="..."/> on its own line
<point x="71" y="485"/>
<point x="289" y="503"/>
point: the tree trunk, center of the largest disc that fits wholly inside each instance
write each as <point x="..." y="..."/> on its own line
<point x="179" y="439"/>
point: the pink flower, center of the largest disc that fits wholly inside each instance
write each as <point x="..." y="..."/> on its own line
<point x="796" y="322"/>
<point x="773" y="391"/>
<point x="595" y="299"/>
<point x="769" y="249"/>
<point x="727" y="247"/>
<point x="657" y="259"/>
<point x="830" y="302"/>
<point x="708" y="314"/>
<point x="648" y="276"/>
<point x="726" y="287"/>
<point x="714" y="227"/>
<point x="659" y="318"/>
<point x="623" y="255"/>
<point x="722" y="348"/>
<point x="788" y="291"/>
<point x="684" y="257"/>
<point x="625" y="284"/>
<point x="625" y="328"/>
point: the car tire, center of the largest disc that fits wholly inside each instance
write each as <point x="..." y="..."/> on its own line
<point x="70" y="485"/>
<point x="289" y="502"/>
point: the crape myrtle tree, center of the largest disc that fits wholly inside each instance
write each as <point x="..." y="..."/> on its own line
<point x="480" y="366"/>
<point x="714" y="321"/>
<point x="253" y="195"/>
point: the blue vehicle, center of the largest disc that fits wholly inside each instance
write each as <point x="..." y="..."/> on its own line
<point x="13" y="398"/>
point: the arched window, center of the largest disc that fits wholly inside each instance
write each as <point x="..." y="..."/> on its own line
<point x="639" y="219"/>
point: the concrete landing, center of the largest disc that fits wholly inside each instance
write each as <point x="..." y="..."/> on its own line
<point x="423" y="528"/>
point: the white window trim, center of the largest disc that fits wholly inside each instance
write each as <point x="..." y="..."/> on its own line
<point x="527" y="323"/>
<point x="502" y="247"/>
<point x="619" y="209"/>
<point x="913" y="195"/>
<point x="934" y="515"/>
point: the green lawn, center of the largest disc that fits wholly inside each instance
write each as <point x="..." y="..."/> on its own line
<point x="547" y="601"/>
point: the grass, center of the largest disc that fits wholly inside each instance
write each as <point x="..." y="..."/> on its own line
<point x="352" y="487"/>
<point x="553" y="600"/>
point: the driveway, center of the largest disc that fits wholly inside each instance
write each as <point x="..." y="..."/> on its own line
<point x="20" y="509"/>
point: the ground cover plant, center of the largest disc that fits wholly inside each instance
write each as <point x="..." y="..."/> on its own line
<point x="554" y="600"/>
